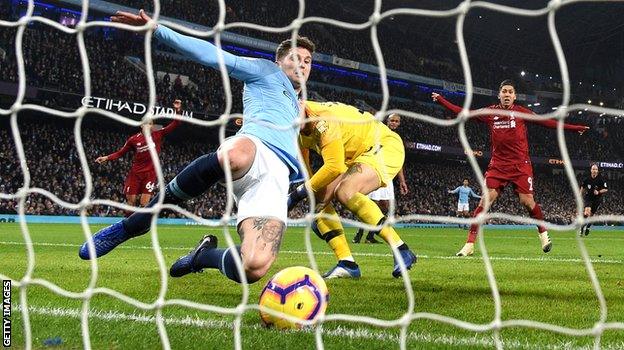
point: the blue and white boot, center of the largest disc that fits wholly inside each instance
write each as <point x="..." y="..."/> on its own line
<point x="105" y="240"/>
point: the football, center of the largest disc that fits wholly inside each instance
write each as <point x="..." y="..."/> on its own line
<point x="298" y="292"/>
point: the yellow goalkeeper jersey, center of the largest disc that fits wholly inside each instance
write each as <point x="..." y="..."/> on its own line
<point x="340" y="133"/>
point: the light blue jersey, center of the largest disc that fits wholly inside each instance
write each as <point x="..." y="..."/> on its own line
<point x="464" y="193"/>
<point x="269" y="98"/>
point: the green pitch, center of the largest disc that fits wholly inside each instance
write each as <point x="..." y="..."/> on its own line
<point x="551" y="288"/>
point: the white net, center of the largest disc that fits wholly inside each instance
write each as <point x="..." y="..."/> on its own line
<point x="497" y="323"/>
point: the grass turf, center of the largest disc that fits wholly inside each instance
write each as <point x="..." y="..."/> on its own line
<point x="552" y="288"/>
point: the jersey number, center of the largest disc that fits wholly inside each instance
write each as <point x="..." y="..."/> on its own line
<point x="530" y="181"/>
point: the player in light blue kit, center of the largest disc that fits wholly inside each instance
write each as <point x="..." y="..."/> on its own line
<point x="262" y="158"/>
<point x="463" y="204"/>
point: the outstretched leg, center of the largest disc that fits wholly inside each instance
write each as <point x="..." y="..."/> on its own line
<point x="262" y="214"/>
<point x="194" y="180"/>
<point x="261" y="240"/>
<point x="358" y="181"/>
<point x="535" y="211"/>
<point x="468" y="248"/>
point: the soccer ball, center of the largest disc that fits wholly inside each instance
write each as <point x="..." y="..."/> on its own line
<point x="296" y="291"/>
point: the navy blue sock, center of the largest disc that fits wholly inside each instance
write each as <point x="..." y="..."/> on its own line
<point x="222" y="259"/>
<point x="194" y="180"/>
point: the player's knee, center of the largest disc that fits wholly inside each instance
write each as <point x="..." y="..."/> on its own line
<point x="343" y="194"/>
<point x="527" y="201"/>
<point x="239" y="159"/>
<point x="256" y="268"/>
<point x="239" y="156"/>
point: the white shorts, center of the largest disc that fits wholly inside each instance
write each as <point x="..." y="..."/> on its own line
<point x="463" y="206"/>
<point x="263" y="191"/>
<point x="383" y="193"/>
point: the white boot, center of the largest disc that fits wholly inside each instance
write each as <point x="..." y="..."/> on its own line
<point x="467" y="250"/>
<point x="546" y="243"/>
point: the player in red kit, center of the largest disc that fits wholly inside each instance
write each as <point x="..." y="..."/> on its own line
<point x="510" y="162"/>
<point x="141" y="179"/>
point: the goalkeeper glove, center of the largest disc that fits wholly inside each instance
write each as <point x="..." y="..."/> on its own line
<point x="296" y="196"/>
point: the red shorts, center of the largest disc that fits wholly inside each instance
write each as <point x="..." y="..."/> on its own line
<point x="520" y="175"/>
<point x="140" y="183"/>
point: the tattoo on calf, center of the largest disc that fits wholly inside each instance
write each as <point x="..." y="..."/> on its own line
<point x="271" y="232"/>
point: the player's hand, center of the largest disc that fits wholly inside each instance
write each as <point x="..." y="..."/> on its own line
<point x="596" y="192"/>
<point x="129" y="18"/>
<point x="583" y="130"/>
<point x="177" y="106"/>
<point x="296" y="196"/>
<point x="319" y="206"/>
<point x="435" y="96"/>
<point x="101" y="160"/>
<point x="403" y="188"/>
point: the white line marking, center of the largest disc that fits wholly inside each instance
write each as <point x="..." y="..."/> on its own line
<point x="384" y="255"/>
<point x="340" y="331"/>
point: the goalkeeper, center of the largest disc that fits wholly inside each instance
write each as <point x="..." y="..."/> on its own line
<point x="360" y="155"/>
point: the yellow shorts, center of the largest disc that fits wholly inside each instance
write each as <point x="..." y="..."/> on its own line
<point x="386" y="158"/>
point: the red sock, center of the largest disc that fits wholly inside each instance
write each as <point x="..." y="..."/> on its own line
<point x="474" y="228"/>
<point x="536" y="213"/>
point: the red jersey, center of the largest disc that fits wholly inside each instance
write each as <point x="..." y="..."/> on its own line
<point x="508" y="133"/>
<point x="142" y="160"/>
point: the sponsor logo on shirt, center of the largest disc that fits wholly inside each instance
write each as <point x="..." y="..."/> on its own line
<point x="142" y="148"/>
<point x="504" y="123"/>
<point x="321" y="126"/>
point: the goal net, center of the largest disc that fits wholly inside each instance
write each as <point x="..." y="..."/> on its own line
<point x="414" y="312"/>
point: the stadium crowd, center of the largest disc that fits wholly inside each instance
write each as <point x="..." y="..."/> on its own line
<point x="440" y="61"/>
<point x="115" y="77"/>
<point x="54" y="165"/>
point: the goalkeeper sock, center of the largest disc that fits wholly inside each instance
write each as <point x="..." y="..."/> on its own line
<point x="536" y="213"/>
<point x="194" y="180"/>
<point x="222" y="259"/>
<point x="331" y="230"/>
<point x="337" y="240"/>
<point x="474" y="228"/>
<point x="368" y="212"/>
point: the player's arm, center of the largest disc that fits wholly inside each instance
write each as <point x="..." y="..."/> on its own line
<point x="473" y="194"/>
<point x="305" y="155"/>
<point x="451" y="107"/>
<point x="332" y="152"/>
<point x="120" y="152"/>
<point x="454" y="191"/>
<point x="177" y="106"/>
<point x="402" y="183"/>
<point x="603" y="190"/>
<point x="333" y="165"/>
<point x="552" y="124"/>
<point x="300" y="192"/>
<point x="198" y="50"/>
